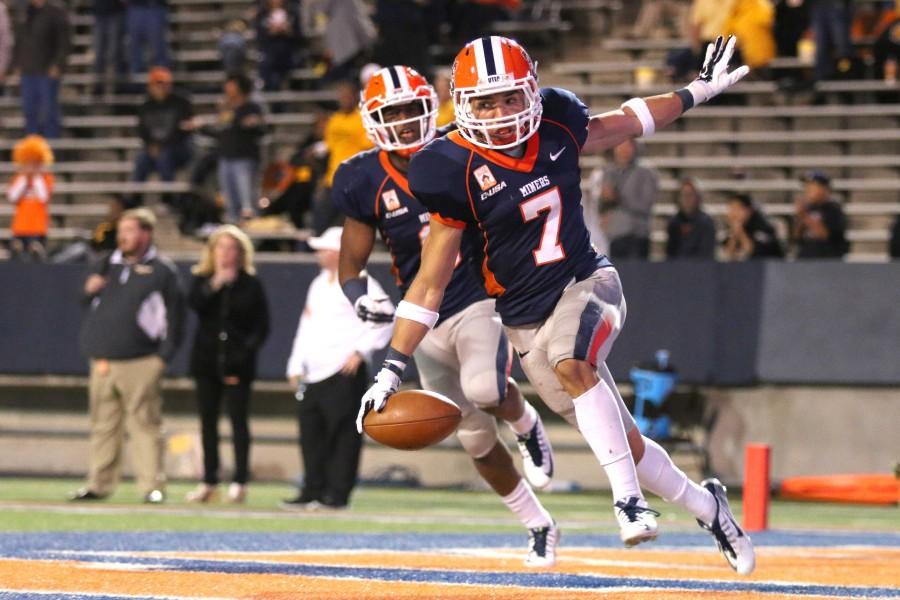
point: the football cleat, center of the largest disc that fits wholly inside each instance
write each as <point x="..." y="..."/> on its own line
<point x="637" y="521"/>
<point x="542" y="546"/>
<point x="733" y="543"/>
<point x="537" y="455"/>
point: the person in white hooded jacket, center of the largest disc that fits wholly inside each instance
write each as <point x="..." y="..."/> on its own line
<point x="329" y="368"/>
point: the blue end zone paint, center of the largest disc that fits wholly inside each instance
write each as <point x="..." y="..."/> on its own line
<point x="23" y="544"/>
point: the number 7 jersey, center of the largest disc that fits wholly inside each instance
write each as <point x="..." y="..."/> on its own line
<point x="527" y="210"/>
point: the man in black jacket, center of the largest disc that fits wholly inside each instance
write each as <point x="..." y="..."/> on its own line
<point x="132" y="328"/>
<point x="42" y="49"/>
<point x="164" y="124"/>
<point x="820" y="225"/>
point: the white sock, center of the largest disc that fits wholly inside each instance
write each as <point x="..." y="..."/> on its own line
<point x="525" y="505"/>
<point x="597" y="414"/>
<point x="659" y="474"/>
<point x="523" y="424"/>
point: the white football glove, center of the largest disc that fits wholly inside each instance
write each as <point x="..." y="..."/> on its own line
<point x="376" y="397"/>
<point x="714" y="77"/>
<point x="374" y="310"/>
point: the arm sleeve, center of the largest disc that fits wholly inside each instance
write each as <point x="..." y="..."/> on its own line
<point x="707" y="247"/>
<point x="41" y="188"/>
<point x="671" y="233"/>
<point x="63" y="42"/>
<point x="440" y="184"/>
<point x="347" y="194"/>
<point x="201" y="294"/>
<point x="565" y="108"/>
<point x="17" y="188"/>
<point x="174" y="299"/>
<point x="6" y="40"/>
<point x="261" y="324"/>
<point x="295" y="360"/>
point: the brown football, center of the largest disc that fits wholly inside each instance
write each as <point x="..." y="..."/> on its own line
<point x="413" y="419"/>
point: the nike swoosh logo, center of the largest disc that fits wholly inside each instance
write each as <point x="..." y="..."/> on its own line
<point x="553" y="156"/>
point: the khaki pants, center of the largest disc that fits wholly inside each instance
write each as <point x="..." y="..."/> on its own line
<point x="128" y="397"/>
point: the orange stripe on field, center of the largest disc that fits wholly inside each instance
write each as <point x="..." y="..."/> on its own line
<point x="70" y="577"/>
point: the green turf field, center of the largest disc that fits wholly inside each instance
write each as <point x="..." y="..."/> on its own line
<point x="39" y="505"/>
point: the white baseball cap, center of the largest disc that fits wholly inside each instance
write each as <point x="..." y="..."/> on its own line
<point x="329" y="240"/>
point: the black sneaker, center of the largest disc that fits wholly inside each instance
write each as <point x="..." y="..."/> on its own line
<point x="84" y="495"/>
<point x="542" y="546"/>
<point x="537" y="455"/>
<point x="300" y="502"/>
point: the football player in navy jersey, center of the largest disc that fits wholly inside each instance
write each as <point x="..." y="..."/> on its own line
<point x="510" y="173"/>
<point x="467" y="356"/>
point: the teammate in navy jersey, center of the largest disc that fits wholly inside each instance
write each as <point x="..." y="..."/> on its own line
<point x="511" y="174"/>
<point x="467" y="356"/>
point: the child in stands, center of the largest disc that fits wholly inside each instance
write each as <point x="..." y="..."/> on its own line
<point x="30" y="192"/>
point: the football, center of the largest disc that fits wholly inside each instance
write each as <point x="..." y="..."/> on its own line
<point x="413" y="419"/>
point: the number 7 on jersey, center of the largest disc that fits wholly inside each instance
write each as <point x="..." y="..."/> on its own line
<point x="550" y="202"/>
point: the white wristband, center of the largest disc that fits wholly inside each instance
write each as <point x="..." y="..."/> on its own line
<point x="414" y="312"/>
<point x="642" y="112"/>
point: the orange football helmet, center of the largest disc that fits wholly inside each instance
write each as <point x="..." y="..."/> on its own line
<point x="488" y="66"/>
<point x="394" y="86"/>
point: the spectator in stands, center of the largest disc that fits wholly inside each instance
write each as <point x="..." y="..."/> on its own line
<point x="661" y="19"/>
<point x="233" y="47"/>
<point x="446" y="112"/>
<point x="42" y="49"/>
<point x="830" y="20"/>
<point x="894" y="245"/>
<point x="329" y="367"/>
<point x="691" y="232"/>
<point x="887" y="49"/>
<point x="791" y="20"/>
<point x="296" y="189"/>
<point x="752" y="22"/>
<point x="30" y="191"/>
<point x="820" y="226"/>
<point x="7" y="41"/>
<point x="238" y="131"/>
<point x="475" y="18"/>
<point x="349" y="35"/>
<point x="344" y="137"/>
<point x="104" y="237"/>
<point x="277" y="38"/>
<point x="148" y="28"/>
<point x="132" y="328"/>
<point x="233" y="322"/>
<point x="403" y="33"/>
<point x="627" y="194"/>
<point x="750" y="234"/>
<point x="165" y="123"/>
<point x="109" y="40"/>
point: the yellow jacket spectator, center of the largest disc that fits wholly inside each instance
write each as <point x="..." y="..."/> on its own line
<point x="344" y="133"/>
<point x="751" y="21"/>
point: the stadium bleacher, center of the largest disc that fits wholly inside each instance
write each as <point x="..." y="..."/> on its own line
<point x="770" y="141"/>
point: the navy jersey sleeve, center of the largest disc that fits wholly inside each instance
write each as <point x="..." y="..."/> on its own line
<point x="566" y="109"/>
<point x="351" y="194"/>
<point x="439" y="183"/>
